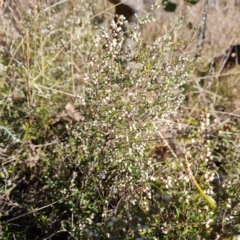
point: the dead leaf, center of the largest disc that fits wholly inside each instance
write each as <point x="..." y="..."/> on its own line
<point x="75" y="115"/>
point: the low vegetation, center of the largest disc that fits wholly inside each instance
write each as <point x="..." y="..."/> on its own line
<point x="100" y="140"/>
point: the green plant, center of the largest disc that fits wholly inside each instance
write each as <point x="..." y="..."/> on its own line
<point x="88" y="111"/>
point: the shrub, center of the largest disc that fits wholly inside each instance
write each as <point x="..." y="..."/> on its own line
<point x="89" y="172"/>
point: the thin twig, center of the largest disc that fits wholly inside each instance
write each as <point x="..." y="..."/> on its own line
<point x="202" y="29"/>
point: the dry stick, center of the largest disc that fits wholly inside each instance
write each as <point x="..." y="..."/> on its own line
<point x="1" y="4"/>
<point x="207" y="198"/>
<point x="225" y="61"/>
<point x="221" y="112"/>
<point x="202" y="193"/>
<point x="202" y="29"/>
<point x="54" y="5"/>
<point x="38" y="209"/>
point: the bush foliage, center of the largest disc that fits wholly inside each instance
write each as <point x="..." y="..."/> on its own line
<point x="93" y="142"/>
